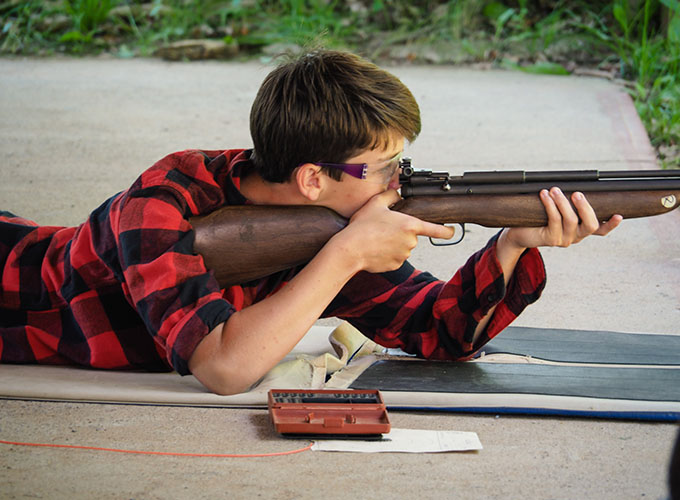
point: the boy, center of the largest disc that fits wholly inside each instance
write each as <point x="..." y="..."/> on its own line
<point x="126" y="290"/>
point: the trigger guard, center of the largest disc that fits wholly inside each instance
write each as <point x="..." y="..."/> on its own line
<point x="453" y="242"/>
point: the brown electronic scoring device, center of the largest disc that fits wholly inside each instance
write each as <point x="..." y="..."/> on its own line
<point x="328" y="413"/>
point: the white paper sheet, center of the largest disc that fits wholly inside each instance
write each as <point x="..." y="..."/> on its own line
<point x="407" y="441"/>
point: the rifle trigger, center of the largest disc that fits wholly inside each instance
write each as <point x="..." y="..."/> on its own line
<point x="455" y="241"/>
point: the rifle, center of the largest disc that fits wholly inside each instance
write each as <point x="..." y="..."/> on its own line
<point x="244" y="243"/>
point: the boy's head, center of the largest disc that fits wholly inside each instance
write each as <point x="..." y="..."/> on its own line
<point x="327" y="106"/>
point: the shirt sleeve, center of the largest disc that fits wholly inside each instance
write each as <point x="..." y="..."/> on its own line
<point x="422" y="315"/>
<point x="179" y="301"/>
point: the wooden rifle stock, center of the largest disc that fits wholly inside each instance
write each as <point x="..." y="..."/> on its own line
<point x="244" y="243"/>
<point x="247" y="242"/>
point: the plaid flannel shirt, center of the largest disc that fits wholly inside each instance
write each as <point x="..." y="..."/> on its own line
<point x="126" y="290"/>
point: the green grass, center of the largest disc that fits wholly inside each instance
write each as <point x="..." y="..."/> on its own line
<point x="648" y="53"/>
<point x="636" y="40"/>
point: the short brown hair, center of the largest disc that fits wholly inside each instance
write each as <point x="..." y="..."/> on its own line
<point x="327" y="106"/>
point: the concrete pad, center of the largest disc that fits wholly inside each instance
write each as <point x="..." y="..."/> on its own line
<point x="75" y="131"/>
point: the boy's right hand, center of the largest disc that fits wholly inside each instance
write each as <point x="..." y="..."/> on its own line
<point x="380" y="239"/>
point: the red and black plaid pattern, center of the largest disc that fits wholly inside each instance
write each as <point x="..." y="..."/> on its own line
<point x="125" y="289"/>
<point x="413" y="311"/>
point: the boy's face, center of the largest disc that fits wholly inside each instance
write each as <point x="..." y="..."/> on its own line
<point x="351" y="193"/>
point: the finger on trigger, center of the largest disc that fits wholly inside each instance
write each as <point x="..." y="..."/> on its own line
<point x="437" y="231"/>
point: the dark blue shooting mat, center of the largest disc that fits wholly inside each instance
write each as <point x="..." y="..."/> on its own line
<point x="588" y="346"/>
<point x="587" y="374"/>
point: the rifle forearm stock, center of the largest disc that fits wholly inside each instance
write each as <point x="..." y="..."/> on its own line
<point x="245" y="243"/>
<point x="526" y="210"/>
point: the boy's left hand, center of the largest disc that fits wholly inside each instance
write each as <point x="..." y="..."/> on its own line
<point x="565" y="225"/>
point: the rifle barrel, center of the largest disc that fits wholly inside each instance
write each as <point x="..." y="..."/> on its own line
<point x="639" y="174"/>
<point x="654" y="180"/>
<point x="570" y="187"/>
<point x="521" y="176"/>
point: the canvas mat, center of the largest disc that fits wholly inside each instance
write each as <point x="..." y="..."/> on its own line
<point x="543" y="371"/>
<point x="524" y="370"/>
<point x="321" y="353"/>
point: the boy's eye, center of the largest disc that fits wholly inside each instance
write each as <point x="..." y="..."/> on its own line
<point x="390" y="165"/>
<point x="384" y="174"/>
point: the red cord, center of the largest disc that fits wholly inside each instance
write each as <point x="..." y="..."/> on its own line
<point x="215" y="455"/>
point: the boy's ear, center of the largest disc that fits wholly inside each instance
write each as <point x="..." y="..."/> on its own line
<point x="310" y="181"/>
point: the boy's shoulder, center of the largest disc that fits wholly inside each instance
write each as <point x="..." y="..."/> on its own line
<point x="201" y="177"/>
<point x="198" y="159"/>
<point x="191" y="165"/>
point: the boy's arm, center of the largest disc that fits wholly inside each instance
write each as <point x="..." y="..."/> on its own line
<point x="565" y="227"/>
<point x="240" y="351"/>
<point x="451" y="320"/>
